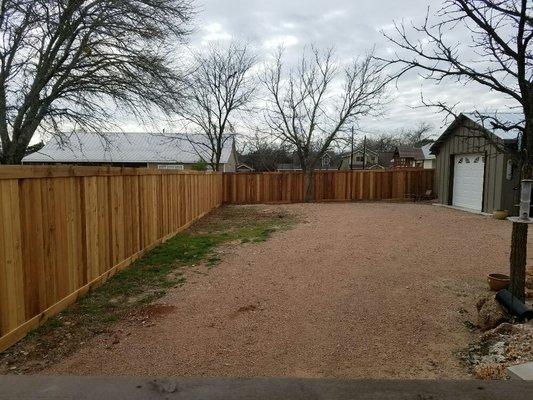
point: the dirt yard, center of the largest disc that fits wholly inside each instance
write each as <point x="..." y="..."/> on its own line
<point x="355" y="290"/>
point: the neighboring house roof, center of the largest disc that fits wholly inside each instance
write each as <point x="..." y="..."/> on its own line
<point x="410" y="152"/>
<point x="426" y="151"/>
<point x="244" y="166"/>
<point x="129" y="148"/>
<point x="386" y="158"/>
<point x="509" y="119"/>
<point x="376" y="166"/>
<point x="288" y="167"/>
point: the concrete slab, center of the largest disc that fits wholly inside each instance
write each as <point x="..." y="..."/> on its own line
<point x="468" y="210"/>
<point x="521" y="371"/>
<point x="130" y="388"/>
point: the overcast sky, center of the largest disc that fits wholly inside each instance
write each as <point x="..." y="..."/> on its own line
<point x="351" y="27"/>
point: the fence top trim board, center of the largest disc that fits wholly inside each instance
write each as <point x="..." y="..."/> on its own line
<point x="63" y="171"/>
<point x="336" y="171"/>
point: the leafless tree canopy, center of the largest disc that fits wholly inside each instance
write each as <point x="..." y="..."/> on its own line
<point x="66" y="62"/>
<point x="416" y="136"/>
<point x="219" y="86"/>
<point x="501" y="33"/>
<point x="497" y="54"/>
<point x="264" y="154"/>
<point x="307" y="111"/>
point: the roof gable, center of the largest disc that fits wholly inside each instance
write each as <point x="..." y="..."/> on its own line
<point x="130" y="148"/>
<point x="474" y="118"/>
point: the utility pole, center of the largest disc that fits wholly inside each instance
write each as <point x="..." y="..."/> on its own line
<point x="364" y="152"/>
<point x="351" y="154"/>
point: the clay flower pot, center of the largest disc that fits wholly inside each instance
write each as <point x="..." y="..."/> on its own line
<point x="500" y="214"/>
<point x="498" y="282"/>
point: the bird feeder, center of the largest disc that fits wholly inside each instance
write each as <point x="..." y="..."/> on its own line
<point x="525" y="203"/>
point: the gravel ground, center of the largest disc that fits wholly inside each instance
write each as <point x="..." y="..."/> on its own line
<point x="374" y="290"/>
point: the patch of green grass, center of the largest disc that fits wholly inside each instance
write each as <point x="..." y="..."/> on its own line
<point x="150" y="277"/>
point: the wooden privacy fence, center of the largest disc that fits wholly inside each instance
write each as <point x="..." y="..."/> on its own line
<point x="288" y="187"/>
<point x="65" y="229"/>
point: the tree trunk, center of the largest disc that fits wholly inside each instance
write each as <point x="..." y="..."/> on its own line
<point x="517" y="264"/>
<point x="309" y="194"/>
<point x="518" y="260"/>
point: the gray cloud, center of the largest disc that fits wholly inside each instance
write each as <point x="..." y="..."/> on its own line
<point x="351" y="27"/>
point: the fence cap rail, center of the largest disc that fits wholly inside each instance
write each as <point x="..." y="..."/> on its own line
<point x="333" y="171"/>
<point x="63" y="171"/>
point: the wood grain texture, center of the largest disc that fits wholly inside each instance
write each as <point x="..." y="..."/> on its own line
<point x="65" y="229"/>
<point x="288" y="187"/>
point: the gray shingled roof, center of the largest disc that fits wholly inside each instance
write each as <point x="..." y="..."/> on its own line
<point x="128" y="148"/>
<point x="426" y="151"/>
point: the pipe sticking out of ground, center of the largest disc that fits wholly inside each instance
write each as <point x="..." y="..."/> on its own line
<point x="514" y="305"/>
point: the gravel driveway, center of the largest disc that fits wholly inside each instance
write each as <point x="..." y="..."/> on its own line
<point x="375" y="290"/>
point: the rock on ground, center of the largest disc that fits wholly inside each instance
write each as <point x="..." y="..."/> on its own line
<point x="490" y="313"/>
<point x="508" y="344"/>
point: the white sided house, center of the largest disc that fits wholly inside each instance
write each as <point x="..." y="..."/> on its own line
<point x="142" y="150"/>
<point x="429" y="159"/>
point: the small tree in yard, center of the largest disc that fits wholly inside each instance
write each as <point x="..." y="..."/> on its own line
<point x="307" y="111"/>
<point x="218" y="87"/>
<point x="64" y="64"/>
<point x="499" y="56"/>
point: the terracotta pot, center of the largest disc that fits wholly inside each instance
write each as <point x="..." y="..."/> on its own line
<point x="500" y="214"/>
<point x="498" y="282"/>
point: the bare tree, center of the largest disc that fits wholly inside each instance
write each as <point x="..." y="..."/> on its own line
<point x="265" y="154"/>
<point x="415" y="136"/>
<point x="63" y="64"/>
<point x="418" y="136"/>
<point x="498" y="56"/>
<point x="219" y="86"/>
<point x="305" y="110"/>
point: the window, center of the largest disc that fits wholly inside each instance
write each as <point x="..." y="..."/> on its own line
<point x="359" y="158"/>
<point x="476" y="160"/>
<point x="467" y="160"/>
<point x="460" y="160"/>
<point x="178" y="167"/>
<point x="326" y="161"/>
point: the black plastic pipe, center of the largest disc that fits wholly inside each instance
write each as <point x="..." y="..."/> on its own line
<point x="514" y="305"/>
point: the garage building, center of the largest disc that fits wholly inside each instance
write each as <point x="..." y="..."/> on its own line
<point x="473" y="171"/>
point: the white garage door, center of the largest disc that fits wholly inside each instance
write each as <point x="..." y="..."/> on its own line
<point x="468" y="176"/>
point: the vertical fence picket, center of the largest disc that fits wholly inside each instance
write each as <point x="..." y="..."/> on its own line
<point x="66" y="229"/>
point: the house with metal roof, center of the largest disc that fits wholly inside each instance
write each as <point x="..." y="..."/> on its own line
<point x="473" y="167"/>
<point x="148" y="150"/>
<point x="429" y="158"/>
